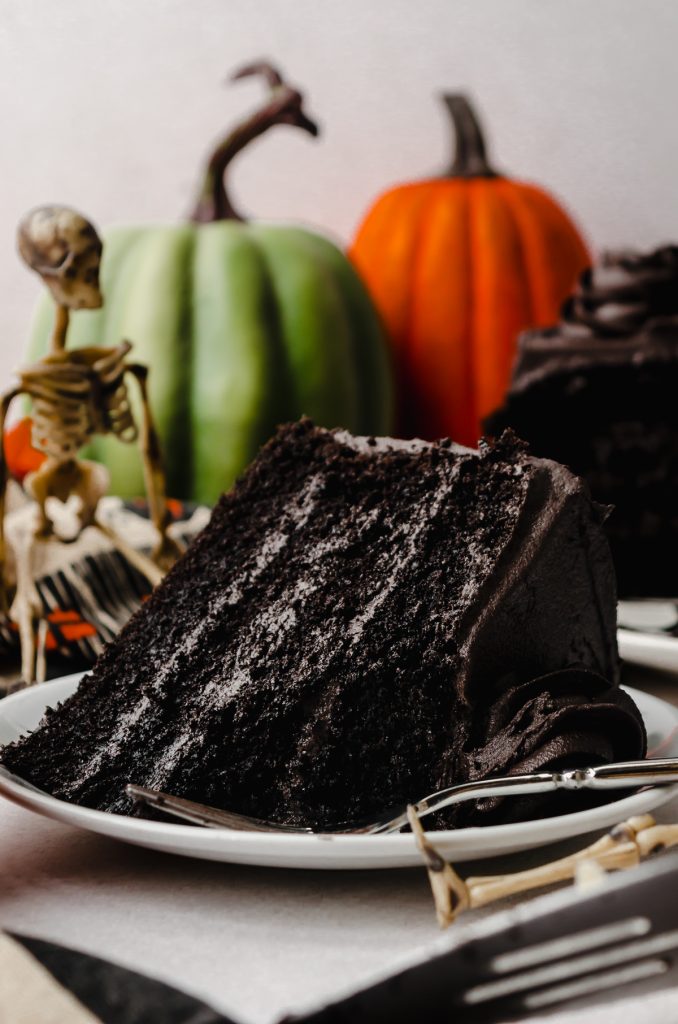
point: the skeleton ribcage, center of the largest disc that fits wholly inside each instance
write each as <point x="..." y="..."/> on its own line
<point x="80" y="396"/>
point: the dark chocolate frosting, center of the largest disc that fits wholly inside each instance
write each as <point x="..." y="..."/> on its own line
<point x="624" y="310"/>
<point x="621" y="293"/>
<point x="569" y="718"/>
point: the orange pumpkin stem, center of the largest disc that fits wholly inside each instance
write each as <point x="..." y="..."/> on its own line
<point x="470" y="157"/>
<point x="284" y="106"/>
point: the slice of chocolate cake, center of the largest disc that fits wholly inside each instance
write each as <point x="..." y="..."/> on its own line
<point x="598" y="393"/>
<point x="362" y="621"/>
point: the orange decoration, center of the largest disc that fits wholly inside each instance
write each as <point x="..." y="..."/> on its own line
<point x="458" y="266"/>
<point x="65" y="626"/>
<point x="22" y="458"/>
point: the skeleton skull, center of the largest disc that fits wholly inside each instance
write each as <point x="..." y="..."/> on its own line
<point x="65" y="250"/>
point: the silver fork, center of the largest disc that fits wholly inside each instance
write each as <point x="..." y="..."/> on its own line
<point x="622" y="775"/>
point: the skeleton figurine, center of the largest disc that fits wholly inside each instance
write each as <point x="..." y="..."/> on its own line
<point x="75" y="394"/>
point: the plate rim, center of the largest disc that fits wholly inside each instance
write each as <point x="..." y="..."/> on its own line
<point x="648" y="648"/>
<point x="638" y="639"/>
<point x="140" y="831"/>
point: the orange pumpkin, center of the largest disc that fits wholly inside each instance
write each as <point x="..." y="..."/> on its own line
<point x="458" y="266"/>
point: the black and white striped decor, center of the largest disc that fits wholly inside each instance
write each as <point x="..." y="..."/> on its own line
<point x="87" y="601"/>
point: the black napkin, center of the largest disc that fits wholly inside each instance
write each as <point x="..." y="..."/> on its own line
<point x="114" y="994"/>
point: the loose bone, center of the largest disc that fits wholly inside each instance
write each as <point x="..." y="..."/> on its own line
<point x="623" y="847"/>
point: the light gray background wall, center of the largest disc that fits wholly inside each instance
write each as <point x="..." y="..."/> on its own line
<point x="110" y="106"/>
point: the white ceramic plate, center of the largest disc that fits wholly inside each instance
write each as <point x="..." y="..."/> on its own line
<point x="642" y="637"/>
<point x="651" y="650"/>
<point x="23" y="711"/>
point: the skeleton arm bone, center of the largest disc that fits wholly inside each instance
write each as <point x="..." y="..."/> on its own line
<point x="168" y="549"/>
<point x="5" y="403"/>
<point x="623" y="847"/>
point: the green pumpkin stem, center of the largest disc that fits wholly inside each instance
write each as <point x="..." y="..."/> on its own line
<point x="470" y="158"/>
<point x="284" y="106"/>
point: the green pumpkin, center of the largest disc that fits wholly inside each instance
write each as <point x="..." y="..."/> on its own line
<point x="243" y="326"/>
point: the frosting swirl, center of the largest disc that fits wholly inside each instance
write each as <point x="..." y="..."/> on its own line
<point x="625" y="290"/>
<point x="570" y="718"/>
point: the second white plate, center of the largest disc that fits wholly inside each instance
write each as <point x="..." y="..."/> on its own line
<point x="644" y="637"/>
<point x="23" y="711"/>
<point x="649" y="649"/>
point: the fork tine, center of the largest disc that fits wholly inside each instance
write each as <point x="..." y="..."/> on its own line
<point x="201" y="814"/>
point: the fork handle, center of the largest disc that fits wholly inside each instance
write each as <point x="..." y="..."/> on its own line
<point x="621" y="775"/>
<point x="655" y="772"/>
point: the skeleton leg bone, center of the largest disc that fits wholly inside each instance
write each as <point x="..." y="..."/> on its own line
<point x="168" y="549"/>
<point x="41" y="654"/>
<point x="54" y="479"/>
<point x="66" y="478"/>
<point x="146" y="566"/>
<point x="91" y="487"/>
<point x="27" y="611"/>
<point x="87" y="481"/>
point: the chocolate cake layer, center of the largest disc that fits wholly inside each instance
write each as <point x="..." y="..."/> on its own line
<point x="597" y="393"/>
<point x="357" y="625"/>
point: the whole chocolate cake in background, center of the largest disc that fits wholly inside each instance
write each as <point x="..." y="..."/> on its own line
<point x="599" y="393"/>
<point x="362" y="621"/>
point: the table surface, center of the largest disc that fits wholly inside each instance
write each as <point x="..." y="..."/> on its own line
<point x="253" y="942"/>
